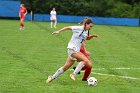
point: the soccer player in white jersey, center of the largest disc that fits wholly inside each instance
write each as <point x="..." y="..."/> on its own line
<point x="84" y="51"/>
<point x="53" y="18"/>
<point x="80" y="34"/>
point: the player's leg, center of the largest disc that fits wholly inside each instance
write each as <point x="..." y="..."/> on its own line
<point x="68" y="64"/>
<point x="87" y="70"/>
<point x="86" y="73"/>
<point x="84" y="68"/>
<point x="84" y="62"/>
<point x="55" y="22"/>
<point x="51" y="23"/>
<point x="21" y="23"/>
<point x="87" y="54"/>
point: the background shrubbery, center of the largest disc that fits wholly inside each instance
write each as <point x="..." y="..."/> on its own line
<point x="103" y="8"/>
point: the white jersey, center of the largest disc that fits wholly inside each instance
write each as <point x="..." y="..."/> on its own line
<point x="53" y="15"/>
<point x="79" y="35"/>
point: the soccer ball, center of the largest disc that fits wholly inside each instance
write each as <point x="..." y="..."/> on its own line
<point x="92" y="81"/>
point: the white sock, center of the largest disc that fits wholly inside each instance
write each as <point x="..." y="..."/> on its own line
<point x="55" y="23"/>
<point x="57" y="73"/>
<point x="51" y="24"/>
<point x="78" y="68"/>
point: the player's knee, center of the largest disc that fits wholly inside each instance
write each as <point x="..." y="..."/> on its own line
<point x="89" y="64"/>
<point x="65" y="67"/>
<point x="85" y="61"/>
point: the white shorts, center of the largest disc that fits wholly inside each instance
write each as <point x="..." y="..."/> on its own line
<point x="53" y="18"/>
<point x="70" y="52"/>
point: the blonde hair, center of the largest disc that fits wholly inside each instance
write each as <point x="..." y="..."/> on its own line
<point x="22" y="5"/>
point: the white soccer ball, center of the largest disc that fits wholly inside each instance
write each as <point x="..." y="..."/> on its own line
<point x="92" y="81"/>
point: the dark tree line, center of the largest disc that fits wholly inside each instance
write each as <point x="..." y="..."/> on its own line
<point x="103" y="8"/>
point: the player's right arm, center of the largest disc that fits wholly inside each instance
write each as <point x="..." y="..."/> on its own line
<point x="63" y="29"/>
<point x="19" y="13"/>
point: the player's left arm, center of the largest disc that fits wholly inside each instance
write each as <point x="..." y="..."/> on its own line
<point x="19" y="13"/>
<point x="91" y="36"/>
<point x="25" y="13"/>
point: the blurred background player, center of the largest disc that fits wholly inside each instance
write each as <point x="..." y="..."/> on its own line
<point x="53" y="18"/>
<point x="22" y="15"/>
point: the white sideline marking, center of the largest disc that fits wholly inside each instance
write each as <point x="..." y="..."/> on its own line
<point x="115" y="68"/>
<point x="126" y="77"/>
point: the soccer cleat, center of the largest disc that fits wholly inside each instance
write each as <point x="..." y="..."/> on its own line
<point x="23" y="28"/>
<point x="20" y="28"/>
<point x="74" y="69"/>
<point x="84" y="79"/>
<point x="49" y="79"/>
<point x="72" y="77"/>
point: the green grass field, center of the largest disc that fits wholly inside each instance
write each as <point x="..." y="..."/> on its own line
<point x="28" y="57"/>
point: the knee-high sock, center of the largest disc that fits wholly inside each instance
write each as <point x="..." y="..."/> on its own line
<point x="84" y="68"/>
<point x="21" y="25"/>
<point x="51" y="24"/>
<point x="57" y="73"/>
<point x="87" y="73"/>
<point x="55" y="23"/>
<point x="78" y="68"/>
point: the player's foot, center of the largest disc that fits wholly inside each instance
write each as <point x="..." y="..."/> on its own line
<point x="23" y="28"/>
<point x="74" y="69"/>
<point x="20" y="28"/>
<point x="49" y="79"/>
<point x="72" y="77"/>
<point x="84" y="79"/>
